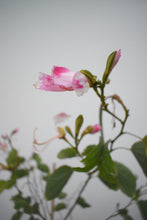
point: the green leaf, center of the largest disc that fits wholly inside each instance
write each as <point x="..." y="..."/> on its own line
<point x="33" y="218"/>
<point x="60" y="206"/>
<point x="82" y="169"/>
<point x="145" y="144"/>
<point x="127" y="217"/>
<point x="106" y="167"/>
<point x="142" y="204"/>
<point x="94" y="157"/>
<point x="81" y="201"/>
<point x="67" y="153"/>
<point x="127" y="180"/>
<point x="3" y="185"/>
<point x="109" y="64"/>
<point x="88" y="149"/>
<point x="57" y="181"/>
<point x="31" y="209"/>
<point x="11" y="182"/>
<point x="89" y="75"/>
<point x="138" y="150"/>
<point x="43" y="167"/>
<point x="7" y="184"/>
<point x="113" y="186"/>
<point x="13" y="159"/>
<point x="62" y="195"/>
<point x="17" y="216"/>
<point x="78" y="125"/>
<point x="20" y="202"/>
<point x="21" y="173"/>
<point x="36" y="158"/>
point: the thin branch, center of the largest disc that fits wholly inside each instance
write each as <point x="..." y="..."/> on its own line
<point x="74" y="204"/>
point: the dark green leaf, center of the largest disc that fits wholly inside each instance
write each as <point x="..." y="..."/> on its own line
<point x="127" y="217"/>
<point x="67" y="153"/>
<point x="62" y="195"/>
<point x="33" y="218"/>
<point x="94" y="157"/>
<point x="113" y="186"/>
<point x="36" y="157"/>
<point x="109" y="64"/>
<point x="21" y="173"/>
<point x="83" y="203"/>
<point x="60" y="206"/>
<point x="127" y="180"/>
<point x="43" y="167"/>
<point x="88" y="149"/>
<point x="20" y="202"/>
<point x="7" y="184"/>
<point x="82" y="169"/>
<point x="13" y="159"/>
<point x="3" y="185"/>
<point x="11" y="182"/>
<point x="57" y="181"/>
<point x="145" y="144"/>
<point x="138" y="150"/>
<point x="143" y="208"/>
<point x="106" y="167"/>
<point x="17" y="216"/>
<point x="31" y="209"/>
<point x="78" y="125"/>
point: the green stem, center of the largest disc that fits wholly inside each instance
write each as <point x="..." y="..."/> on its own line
<point x="134" y="135"/>
<point x="101" y="122"/>
<point x="74" y="204"/>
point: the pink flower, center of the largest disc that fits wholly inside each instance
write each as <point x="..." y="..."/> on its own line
<point x="96" y="128"/>
<point x="116" y="59"/>
<point x="61" y="117"/>
<point x="63" y="79"/>
<point x="16" y="130"/>
<point x="3" y="146"/>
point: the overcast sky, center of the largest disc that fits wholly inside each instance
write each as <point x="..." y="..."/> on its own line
<point x="77" y="34"/>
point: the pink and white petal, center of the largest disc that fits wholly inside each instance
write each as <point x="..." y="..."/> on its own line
<point x="80" y="83"/>
<point x="63" y="77"/>
<point x="61" y="117"/>
<point x="46" y="83"/>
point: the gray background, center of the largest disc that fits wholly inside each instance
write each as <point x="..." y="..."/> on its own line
<point x="35" y="35"/>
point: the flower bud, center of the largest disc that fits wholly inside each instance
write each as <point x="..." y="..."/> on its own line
<point x="61" y="132"/>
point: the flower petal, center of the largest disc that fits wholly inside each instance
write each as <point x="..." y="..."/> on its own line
<point x="63" y="77"/>
<point x="46" y="83"/>
<point x="96" y="128"/>
<point x="61" y="117"/>
<point x="80" y="83"/>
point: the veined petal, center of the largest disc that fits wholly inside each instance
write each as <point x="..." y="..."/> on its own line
<point x="46" y="83"/>
<point x="63" y="77"/>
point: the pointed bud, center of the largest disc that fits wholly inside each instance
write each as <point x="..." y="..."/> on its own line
<point x="111" y="62"/>
<point x="79" y="122"/>
<point x="68" y="131"/>
<point x="61" y="132"/>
